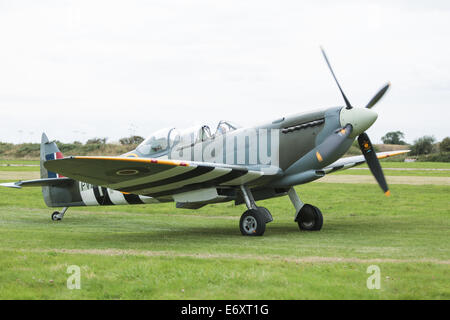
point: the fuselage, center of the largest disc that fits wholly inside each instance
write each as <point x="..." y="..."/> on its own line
<point x="285" y="145"/>
<point x="285" y="150"/>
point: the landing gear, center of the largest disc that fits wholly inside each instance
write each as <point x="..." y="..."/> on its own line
<point x="57" y="215"/>
<point x="253" y="221"/>
<point x="308" y="217"/>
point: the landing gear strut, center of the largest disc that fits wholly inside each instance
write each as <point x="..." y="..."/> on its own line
<point x="253" y="221"/>
<point x="308" y="217"/>
<point x="58" y="215"/>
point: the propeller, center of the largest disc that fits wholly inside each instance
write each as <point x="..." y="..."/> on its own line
<point x="347" y="103"/>
<point x="363" y="139"/>
<point x="378" y="96"/>
<point x="372" y="161"/>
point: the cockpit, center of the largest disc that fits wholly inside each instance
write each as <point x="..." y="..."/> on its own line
<point x="225" y="126"/>
<point x="159" y="142"/>
<point x="162" y="140"/>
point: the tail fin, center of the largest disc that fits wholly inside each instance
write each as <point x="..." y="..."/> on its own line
<point x="66" y="192"/>
<point x="49" y="151"/>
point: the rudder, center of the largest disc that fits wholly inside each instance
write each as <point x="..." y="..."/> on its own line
<point x="66" y="195"/>
<point x="49" y="151"/>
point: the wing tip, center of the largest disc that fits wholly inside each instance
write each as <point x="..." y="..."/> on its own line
<point x="15" y="185"/>
<point x="394" y="153"/>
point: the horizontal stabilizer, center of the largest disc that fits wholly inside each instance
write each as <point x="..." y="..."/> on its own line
<point x="39" y="183"/>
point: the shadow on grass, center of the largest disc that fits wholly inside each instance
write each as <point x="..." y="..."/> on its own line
<point x="231" y="234"/>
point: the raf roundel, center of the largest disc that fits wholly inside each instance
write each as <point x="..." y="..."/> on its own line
<point x="127" y="172"/>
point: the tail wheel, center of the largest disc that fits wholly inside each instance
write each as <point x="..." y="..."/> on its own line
<point x="56" y="216"/>
<point x="252" y="223"/>
<point x="310" y="218"/>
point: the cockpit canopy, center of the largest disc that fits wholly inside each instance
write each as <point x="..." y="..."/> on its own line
<point x="159" y="142"/>
<point x="162" y="140"/>
<point x="225" y="126"/>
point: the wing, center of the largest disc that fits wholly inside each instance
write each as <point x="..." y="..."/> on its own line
<point x="348" y="162"/>
<point x="152" y="177"/>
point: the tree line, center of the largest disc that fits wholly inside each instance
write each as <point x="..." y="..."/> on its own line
<point x="423" y="146"/>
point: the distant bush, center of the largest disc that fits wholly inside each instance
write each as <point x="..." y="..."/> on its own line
<point x="97" y="141"/>
<point x="89" y="147"/>
<point x="66" y="147"/>
<point x="5" y="147"/>
<point x="423" y="145"/>
<point x="28" y="150"/>
<point x="435" y="157"/>
<point x="131" y="140"/>
<point x="95" y="146"/>
<point x="444" y="146"/>
<point x="394" y="137"/>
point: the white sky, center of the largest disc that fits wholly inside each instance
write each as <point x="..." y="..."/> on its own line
<point x="82" y="69"/>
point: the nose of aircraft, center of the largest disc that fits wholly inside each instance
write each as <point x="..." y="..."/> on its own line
<point x="360" y="118"/>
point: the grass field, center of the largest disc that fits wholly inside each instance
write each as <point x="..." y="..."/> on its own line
<point x="159" y="252"/>
<point x="436" y="169"/>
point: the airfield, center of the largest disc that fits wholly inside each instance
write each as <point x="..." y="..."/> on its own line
<point x="159" y="252"/>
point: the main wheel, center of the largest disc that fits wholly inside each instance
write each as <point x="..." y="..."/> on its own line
<point x="310" y="218"/>
<point x="252" y="223"/>
<point x="55" y="216"/>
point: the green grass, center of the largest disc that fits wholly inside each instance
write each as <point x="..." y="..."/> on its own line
<point x="19" y="168"/>
<point x="416" y="166"/>
<point x="429" y="165"/>
<point x="157" y="251"/>
<point x="387" y="172"/>
<point x="19" y="165"/>
<point x="119" y="277"/>
<point x="28" y="162"/>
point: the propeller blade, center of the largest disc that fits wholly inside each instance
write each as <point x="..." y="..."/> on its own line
<point x="332" y="143"/>
<point x="372" y="161"/>
<point x="378" y="96"/>
<point x="347" y="103"/>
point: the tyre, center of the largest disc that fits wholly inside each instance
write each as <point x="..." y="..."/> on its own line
<point x="310" y="218"/>
<point x="252" y="223"/>
<point x="55" y="216"/>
